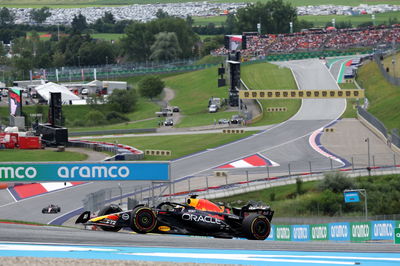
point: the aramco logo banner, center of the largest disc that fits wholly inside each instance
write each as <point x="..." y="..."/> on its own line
<point x="88" y="171"/>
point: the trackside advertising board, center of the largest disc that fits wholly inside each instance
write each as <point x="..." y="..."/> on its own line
<point x="300" y="232"/>
<point x="382" y="230"/>
<point x="360" y="232"/>
<point x="282" y="232"/>
<point x="339" y="231"/>
<point x="87" y="171"/>
<point x="319" y="231"/>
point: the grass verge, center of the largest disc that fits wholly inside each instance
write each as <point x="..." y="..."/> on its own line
<point x="179" y="145"/>
<point x="265" y="76"/>
<point x="39" y="156"/>
<point x="383" y="97"/>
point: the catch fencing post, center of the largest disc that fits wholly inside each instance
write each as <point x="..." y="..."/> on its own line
<point x="207" y="182"/>
<point x="267" y="171"/>
<point x="352" y="164"/>
<point x="247" y="177"/>
<point x="330" y="159"/>
<point x="152" y="192"/>
<point x="289" y="169"/>
<point x="309" y="163"/>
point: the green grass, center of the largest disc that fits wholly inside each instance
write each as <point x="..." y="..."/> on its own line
<point x="265" y="76"/>
<point x="107" y="36"/>
<point x="320" y="21"/>
<point x="192" y="92"/>
<point x="179" y="145"/>
<point x="351" y="111"/>
<point x="203" y="21"/>
<point x="39" y="156"/>
<point x="286" y="202"/>
<point x="383" y="97"/>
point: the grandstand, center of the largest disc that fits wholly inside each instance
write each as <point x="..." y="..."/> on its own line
<point x="318" y="40"/>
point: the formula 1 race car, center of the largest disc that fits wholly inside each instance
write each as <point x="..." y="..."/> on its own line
<point x="51" y="209"/>
<point x="197" y="217"/>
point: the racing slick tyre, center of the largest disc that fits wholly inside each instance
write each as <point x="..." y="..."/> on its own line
<point x="256" y="227"/>
<point x="58" y="209"/>
<point x="143" y="220"/>
<point x="108" y="210"/>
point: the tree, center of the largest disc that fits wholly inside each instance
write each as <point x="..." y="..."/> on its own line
<point x="122" y="101"/>
<point x="108" y="18"/>
<point x="231" y="24"/>
<point x="137" y="42"/>
<point x="6" y="17"/>
<point x="274" y="17"/>
<point x="165" y="47"/>
<point x="189" y="20"/>
<point x="151" y="86"/>
<point x="40" y="15"/>
<point x="79" y="23"/>
<point x="161" y="13"/>
<point x="335" y="182"/>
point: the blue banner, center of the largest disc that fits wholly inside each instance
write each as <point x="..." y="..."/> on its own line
<point x="383" y="230"/>
<point x="271" y="235"/>
<point x="351" y="196"/>
<point x="87" y="171"/>
<point x="300" y="232"/>
<point x="339" y="231"/>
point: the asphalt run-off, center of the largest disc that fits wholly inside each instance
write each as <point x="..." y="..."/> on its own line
<point x="190" y="255"/>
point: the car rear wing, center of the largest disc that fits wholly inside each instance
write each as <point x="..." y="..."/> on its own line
<point x="83" y="218"/>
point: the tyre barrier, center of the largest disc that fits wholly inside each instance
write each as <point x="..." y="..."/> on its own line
<point x="328" y="129"/>
<point x="221" y="174"/>
<point x="232" y="131"/>
<point x="122" y="152"/>
<point x="349" y="80"/>
<point x="276" y="109"/>
<point x="158" y="152"/>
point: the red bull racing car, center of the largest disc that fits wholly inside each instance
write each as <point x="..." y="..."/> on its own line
<point x="196" y="217"/>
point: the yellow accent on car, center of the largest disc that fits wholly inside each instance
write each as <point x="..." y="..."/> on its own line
<point x="95" y="219"/>
<point x="164" y="228"/>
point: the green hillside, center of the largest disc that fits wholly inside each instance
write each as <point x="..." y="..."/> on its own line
<point x="383" y="97"/>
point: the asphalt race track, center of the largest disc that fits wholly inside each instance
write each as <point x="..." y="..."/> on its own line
<point x="62" y="242"/>
<point x="283" y="143"/>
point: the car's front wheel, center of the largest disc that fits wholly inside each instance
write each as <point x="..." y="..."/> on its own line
<point x="143" y="220"/>
<point x="256" y="227"/>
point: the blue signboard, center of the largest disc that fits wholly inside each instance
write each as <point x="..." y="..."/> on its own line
<point x="339" y="231"/>
<point x="351" y="196"/>
<point x="271" y="235"/>
<point x="87" y="171"/>
<point x="300" y="232"/>
<point x="383" y="230"/>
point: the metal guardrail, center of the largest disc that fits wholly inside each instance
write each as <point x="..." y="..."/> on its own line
<point x="386" y="72"/>
<point x="373" y="120"/>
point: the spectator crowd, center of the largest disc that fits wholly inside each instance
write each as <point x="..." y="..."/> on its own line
<point x="318" y="40"/>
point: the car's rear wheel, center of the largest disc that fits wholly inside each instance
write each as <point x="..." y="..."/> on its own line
<point x="143" y="220"/>
<point x="58" y="209"/>
<point x="256" y="227"/>
<point x="108" y="210"/>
